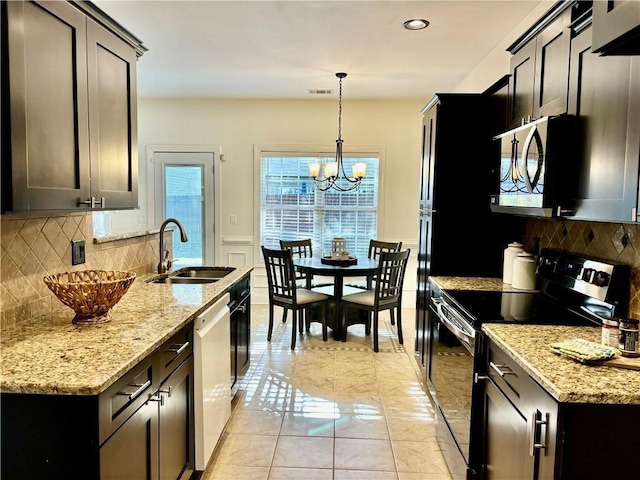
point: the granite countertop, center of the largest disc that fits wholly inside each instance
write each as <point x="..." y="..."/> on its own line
<point x="49" y="355"/>
<point x="474" y="283"/>
<point x="565" y="379"/>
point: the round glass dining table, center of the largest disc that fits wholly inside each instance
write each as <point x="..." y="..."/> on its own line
<point x="313" y="266"/>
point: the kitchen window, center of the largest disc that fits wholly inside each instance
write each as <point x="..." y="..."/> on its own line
<point x="292" y="208"/>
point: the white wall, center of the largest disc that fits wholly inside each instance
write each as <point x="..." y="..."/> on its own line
<point x="238" y="125"/>
<point x="496" y="64"/>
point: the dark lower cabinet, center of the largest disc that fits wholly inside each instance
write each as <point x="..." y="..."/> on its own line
<point x="176" y="434"/>
<point x="240" y="306"/>
<point x="141" y="427"/>
<point x="530" y="435"/>
<point x="132" y="452"/>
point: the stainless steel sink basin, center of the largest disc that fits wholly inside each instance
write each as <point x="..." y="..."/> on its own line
<point x="185" y="280"/>
<point x="195" y="275"/>
<point x="201" y="272"/>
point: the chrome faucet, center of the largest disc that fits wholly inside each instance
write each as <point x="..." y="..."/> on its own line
<point x="165" y="264"/>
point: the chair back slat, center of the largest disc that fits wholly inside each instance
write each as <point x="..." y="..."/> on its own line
<point x="376" y="247"/>
<point x="281" y="275"/>
<point x="390" y="274"/>
<point x="300" y="248"/>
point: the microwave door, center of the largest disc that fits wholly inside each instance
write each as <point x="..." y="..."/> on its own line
<point x="532" y="162"/>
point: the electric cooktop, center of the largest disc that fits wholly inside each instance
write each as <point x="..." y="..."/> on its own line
<point x="518" y="307"/>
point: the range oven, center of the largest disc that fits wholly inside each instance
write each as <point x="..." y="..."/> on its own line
<point x="573" y="291"/>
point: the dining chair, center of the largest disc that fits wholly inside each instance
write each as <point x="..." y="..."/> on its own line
<point x="285" y="293"/>
<point x="387" y="294"/>
<point x="301" y="249"/>
<point x="376" y="247"/>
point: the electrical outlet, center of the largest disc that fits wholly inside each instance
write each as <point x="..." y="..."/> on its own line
<point x="77" y="252"/>
<point x="233" y="219"/>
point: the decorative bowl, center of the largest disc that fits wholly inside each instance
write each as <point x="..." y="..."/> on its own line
<point x="90" y="293"/>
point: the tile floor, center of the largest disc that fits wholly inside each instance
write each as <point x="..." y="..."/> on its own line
<point x="329" y="411"/>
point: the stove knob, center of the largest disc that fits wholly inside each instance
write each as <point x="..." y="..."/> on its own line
<point x="601" y="279"/>
<point x="587" y="274"/>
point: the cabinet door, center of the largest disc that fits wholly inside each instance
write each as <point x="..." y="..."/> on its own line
<point x="552" y="68"/>
<point x="605" y="99"/>
<point x="616" y="27"/>
<point x="422" y="292"/>
<point x="242" y="319"/>
<point x="429" y="120"/>
<point x="506" y="439"/>
<point x="49" y="166"/>
<point x="176" y="424"/>
<point x="113" y="120"/>
<point x="132" y="452"/>
<point x="521" y="84"/>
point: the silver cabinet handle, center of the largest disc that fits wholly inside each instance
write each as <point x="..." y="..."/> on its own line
<point x="169" y="391"/>
<point x="477" y="377"/>
<point x="533" y="446"/>
<point x="242" y="308"/>
<point x="92" y="202"/>
<point x="179" y="349"/>
<point x="157" y="397"/>
<point x="141" y="388"/>
<point x="498" y="369"/>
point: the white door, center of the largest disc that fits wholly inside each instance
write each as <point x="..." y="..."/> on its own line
<point x="185" y="191"/>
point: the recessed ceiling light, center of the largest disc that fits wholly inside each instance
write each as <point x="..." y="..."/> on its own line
<point x="416" y="24"/>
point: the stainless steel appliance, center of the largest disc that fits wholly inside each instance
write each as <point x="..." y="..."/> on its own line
<point x="574" y="290"/>
<point x="537" y="174"/>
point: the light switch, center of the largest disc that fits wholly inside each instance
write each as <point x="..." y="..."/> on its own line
<point x="233" y="219"/>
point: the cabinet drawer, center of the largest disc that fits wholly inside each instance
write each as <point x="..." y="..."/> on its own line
<point x="174" y="351"/>
<point x="507" y="375"/>
<point x="238" y="292"/>
<point x="124" y="397"/>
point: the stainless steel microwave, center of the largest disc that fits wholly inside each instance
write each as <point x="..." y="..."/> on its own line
<point x="537" y="169"/>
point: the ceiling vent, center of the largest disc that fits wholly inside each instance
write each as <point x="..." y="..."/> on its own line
<point x="320" y="91"/>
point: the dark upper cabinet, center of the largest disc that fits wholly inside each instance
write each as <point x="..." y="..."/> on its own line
<point x="48" y="115"/>
<point x="539" y="68"/>
<point x="616" y="27"/>
<point x="605" y="98"/>
<point x="69" y="109"/>
<point x="112" y="118"/>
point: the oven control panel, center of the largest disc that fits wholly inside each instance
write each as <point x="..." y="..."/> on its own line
<point x="600" y="279"/>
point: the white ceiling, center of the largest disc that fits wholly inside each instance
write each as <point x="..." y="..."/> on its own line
<point x="280" y="49"/>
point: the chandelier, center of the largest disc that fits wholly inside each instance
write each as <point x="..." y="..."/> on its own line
<point x="333" y="174"/>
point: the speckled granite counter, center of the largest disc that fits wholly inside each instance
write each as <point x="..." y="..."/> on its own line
<point x="49" y="355"/>
<point x="565" y="379"/>
<point x="474" y="283"/>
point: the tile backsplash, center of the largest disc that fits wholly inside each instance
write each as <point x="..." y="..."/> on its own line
<point x="609" y="241"/>
<point x="32" y="247"/>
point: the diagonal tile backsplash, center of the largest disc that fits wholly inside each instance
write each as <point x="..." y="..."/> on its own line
<point x="609" y="241"/>
<point x="32" y="247"/>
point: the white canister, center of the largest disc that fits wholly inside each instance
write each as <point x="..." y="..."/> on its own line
<point x="524" y="271"/>
<point x="509" y="256"/>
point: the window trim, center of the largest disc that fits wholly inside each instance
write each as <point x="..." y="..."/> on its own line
<point x="260" y="150"/>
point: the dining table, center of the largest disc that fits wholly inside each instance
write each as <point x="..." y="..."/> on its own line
<point x="312" y="266"/>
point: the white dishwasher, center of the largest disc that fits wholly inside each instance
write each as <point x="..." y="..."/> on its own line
<point x="212" y="386"/>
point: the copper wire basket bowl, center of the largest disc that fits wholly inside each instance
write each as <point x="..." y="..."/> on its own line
<point x="90" y="293"/>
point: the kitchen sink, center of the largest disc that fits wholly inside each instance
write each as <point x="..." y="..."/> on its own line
<point x="195" y="275"/>
<point x="185" y="280"/>
<point x="201" y="272"/>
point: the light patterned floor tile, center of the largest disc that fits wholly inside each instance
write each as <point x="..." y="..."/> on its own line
<point x="304" y="452"/>
<point x="310" y="424"/>
<point x="363" y="475"/>
<point x="284" y="473"/>
<point x="419" y="457"/>
<point x="361" y="426"/>
<point x="363" y="454"/>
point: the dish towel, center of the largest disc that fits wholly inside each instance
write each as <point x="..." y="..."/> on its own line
<point x="583" y="350"/>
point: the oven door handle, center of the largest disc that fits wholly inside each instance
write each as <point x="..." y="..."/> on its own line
<point x="458" y="332"/>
